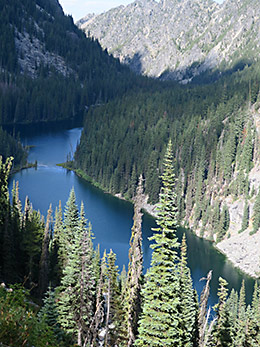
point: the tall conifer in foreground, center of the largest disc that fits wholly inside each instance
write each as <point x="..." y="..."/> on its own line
<point x="160" y="321"/>
<point x="132" y="290"/>
<point x="189" y="302"/>
<point x="76" y="299"/>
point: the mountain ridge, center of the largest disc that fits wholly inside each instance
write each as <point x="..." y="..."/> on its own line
<point x="178" y="40"/>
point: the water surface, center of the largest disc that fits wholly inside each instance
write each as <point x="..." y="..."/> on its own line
<point x="110" y="217"/>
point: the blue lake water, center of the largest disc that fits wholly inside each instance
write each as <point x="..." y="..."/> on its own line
<point x="110" y="217"/>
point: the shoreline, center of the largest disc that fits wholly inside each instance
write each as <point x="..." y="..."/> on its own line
<point x="230" y="248"/>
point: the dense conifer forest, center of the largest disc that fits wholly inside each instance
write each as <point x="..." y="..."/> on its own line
<point x="69" y="294"/>
<point x="57" y="290"/>
<point x="78" y="73"/>
<point x="215" y="144"/>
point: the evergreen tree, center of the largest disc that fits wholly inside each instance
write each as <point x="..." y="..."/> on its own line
<point x="32" y="234"/>
<point x="160" y="323"/>
<point x="77" y="287"/>
<point x="132" y="289"/>
<point x="256" y="213"/>
<point x="241" y="322"/>
<point x="223" y="225"/>
<point x="253" y="328"/>
<point x="57" y="250"/>
<point x="44" y="262"/>
<point x="188" y="302"/>
<point x="6" y="237"/>
<point x="221" y="334"/>
<point x="114" y="307"/>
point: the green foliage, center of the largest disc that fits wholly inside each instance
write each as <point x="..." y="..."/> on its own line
<point x="223" y="225"/>
<point x="131" y="286"/>
<point x="11" y="147"/>
<point x="163" y="311"/>
<point x="91" y="76"/>
<point x="256" y="213"/>
<point x="19" y="324"/>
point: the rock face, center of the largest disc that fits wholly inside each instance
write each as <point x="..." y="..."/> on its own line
<point x="243" y="251"/>
<point x="174" y="39"/>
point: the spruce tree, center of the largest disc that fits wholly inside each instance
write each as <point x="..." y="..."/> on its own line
<point x="160" y="323"/>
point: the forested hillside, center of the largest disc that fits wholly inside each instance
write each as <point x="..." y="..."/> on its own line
<point x="49" y="70"/>
<point x="214" y="131"/>
<point x="74" y="296"/>
<point x="11" y="147"/>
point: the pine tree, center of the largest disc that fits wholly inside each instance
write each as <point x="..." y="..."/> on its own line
<point x="241" y="322"/>
<point x="223" y="223"/>
<point x="76" y="303"/>
<point x="132" y="290"/>
<point x="253" y="328"/>
<point x="87" y="279"/>
<point x="221" y="334"/>
<point x="232" y="308"/>
<point x="49" y="313"/>
<point x="114" y="307"/>
<point x="32" y="234"/>
<point x="58" y="254"/>
<point x="70" y="224"/>
<point x="44" y="262"/>
<point x="160" y="323"/>
<point x="245" y="219"/>
<point x="188" y="302"/>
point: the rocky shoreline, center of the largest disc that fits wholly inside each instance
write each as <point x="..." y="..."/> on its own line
<point x="241" y="249"/>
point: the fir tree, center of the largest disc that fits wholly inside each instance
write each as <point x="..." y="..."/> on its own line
<point x="114" y="308"/>
<point x="188" y="302"/>
<point x="160" y="323"/>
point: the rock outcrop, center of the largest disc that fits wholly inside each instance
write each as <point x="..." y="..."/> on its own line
<point x="174" y="39"/>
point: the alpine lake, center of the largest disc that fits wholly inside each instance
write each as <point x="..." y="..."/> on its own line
<point x="111" y="218"/>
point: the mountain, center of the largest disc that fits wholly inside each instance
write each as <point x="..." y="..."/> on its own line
<point x="214" y="129"/>
<point x="49" y="70"/>
<point x="174" y="39"/>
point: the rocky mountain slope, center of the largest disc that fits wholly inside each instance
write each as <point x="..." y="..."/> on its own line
<point x="179" y="39"/>
<point x="49" y="70"/>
